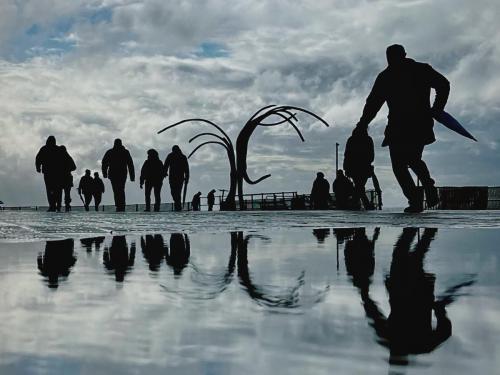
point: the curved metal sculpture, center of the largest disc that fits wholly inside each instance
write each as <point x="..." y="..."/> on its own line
<point x="238" y="160"/>
<point x="284" y="112"/>
<point x="229" y="203"/>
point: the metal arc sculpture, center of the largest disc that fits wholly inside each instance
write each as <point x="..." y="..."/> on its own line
<point x="238" y="160"/>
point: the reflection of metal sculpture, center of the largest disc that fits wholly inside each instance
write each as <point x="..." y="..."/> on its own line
<point x="238" y="160"/>
<point x="224" y="141"/>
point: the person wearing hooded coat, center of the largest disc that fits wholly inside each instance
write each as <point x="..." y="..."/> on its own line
<point x="320" y="192"/>
<point x="177" y="168"/>
<point x="47" y="161"/>
<point x="211" y="199"/>
<point x="152" y="175"/>
<point x="115" y="163"/>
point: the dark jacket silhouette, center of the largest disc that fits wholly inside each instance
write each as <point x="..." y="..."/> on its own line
<point x="343" y="189"/>
<point x="320" y="192"/>
<point x="48" y="162"/>
<point x="115" y="163"/>
<point x="98" y="190"/>
<point x="67" y="165"/>
<point x="405" y="85"/>
<point x="152" y="174"/>
<point x="177" y="169"/>
<point x="211" y="199"/>
<point x="154" y="250"/>
<point x="196" y="202"/>
<point x="358" y="158"/>
<point x="86" y="187"/>
<point x="117" y="259"/>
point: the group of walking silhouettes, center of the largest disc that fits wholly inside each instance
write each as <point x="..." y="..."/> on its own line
<point x="56" y="164"/>
<point x="405" y="85"/>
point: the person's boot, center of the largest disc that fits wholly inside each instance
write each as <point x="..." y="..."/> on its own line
<point x="157" y="207"/>
<point x="417" y="203"/>
<point x="86" y="207"/>
<point x="431" y="196"/>
<point x="148" y="208"/>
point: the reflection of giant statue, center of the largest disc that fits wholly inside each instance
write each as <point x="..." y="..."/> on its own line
<point x="238" y="161"/>
<point x="117" y="258"/>
<point x="56" y="261"/>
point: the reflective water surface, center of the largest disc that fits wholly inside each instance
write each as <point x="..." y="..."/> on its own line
<point x="296" y="301"/>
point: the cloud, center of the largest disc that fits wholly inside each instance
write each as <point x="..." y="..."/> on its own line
<point x="91" y="71"/>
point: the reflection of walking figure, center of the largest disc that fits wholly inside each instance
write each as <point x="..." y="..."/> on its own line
<point x="118" y="259"/>
<point x="196" y="202"/>
<point x="86" y="187"/>
<point x="152" y="174"/>
<point x="68" y="166"/>
<point x="154" y="250"/>
<point x="56" y="261"/>
<point x="211" y="200"/>
<point x="179" y="252"/>
<point x="408" y="329"/>
<point x="177" y="169"/>
<point x="115" y="163"/>
<point x="406" y="85"/>
<point x="98" y="190"/>
<point x="358" y="158"/>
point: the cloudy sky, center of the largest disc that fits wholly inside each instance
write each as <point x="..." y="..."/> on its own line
<point x="90" y="71"/>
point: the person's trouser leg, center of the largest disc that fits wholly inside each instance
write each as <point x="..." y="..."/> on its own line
<point x="400" y="162"/>
<point x="359" y="190"/>
<point x="50" y="189"/>
<point x="97" y="200"/>
<point x="87" y="199"/>
<point x="175" y="190"/>
<point x="67" y="197"/>
<point x="420" y="168"/>
<point x="118" y="185"/>
<point x="157" y="192"/>
<point x="148" y="186"/>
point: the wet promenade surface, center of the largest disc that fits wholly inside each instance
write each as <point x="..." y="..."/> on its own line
<point x="265" y="293"/>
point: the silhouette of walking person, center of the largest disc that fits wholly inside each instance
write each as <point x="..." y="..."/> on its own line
<point x="67" y="166"/>
<point x="177" y="169"/>
<point x="47" y="161"/>
<point x="405" y="85"/>
<point x="152" y="174"/>
<point x="320" y="192"/>
<point x="343" y="189"/>
<point x="211" y="199"/>
<point x="115" y="163"/>
<point x="358" y="158"/>
<point x="196" y="202"/>
<point x="86" y="187"/>
<point x="98" y="190"/>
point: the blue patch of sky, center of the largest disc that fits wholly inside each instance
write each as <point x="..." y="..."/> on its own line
<point x="39" y="40"/>
<point x="212" y="50"/>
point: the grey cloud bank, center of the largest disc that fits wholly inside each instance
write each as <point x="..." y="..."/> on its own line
<point x="90" y="71"/>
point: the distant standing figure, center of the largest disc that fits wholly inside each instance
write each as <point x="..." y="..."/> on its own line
<point x="177" y="169"/>
<point x="152" y="173"/>
<point x="86" y="187"/>
<point x="98" y="190"/>
<point x="47" y="162"/>
<point x="67" y="166"/>
<point x="196" y="202"/>
<point x="115" y="163"/>
<point x="358" y="158"/>
<point x="406" y="86"/>
<point x="343" y="189"/>
<point x="211" y="199"/>
<point x="320" y="192"/>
